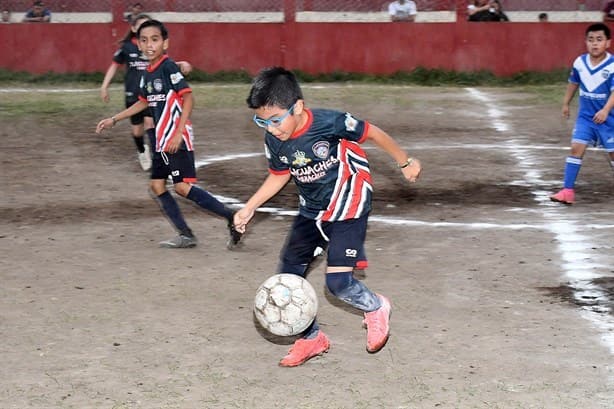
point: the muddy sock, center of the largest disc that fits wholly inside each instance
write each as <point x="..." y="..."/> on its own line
<point x="346" y="288"/>
<point x="205" y="200"/>
<point x="312" y="330"/>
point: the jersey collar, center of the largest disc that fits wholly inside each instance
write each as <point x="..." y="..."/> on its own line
<point x="152" y="68"/>
<point x="305" y="127"/>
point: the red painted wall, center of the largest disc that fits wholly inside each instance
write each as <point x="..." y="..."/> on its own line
<point x="503" y="48"/>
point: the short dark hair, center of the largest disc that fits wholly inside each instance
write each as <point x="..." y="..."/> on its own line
<point x="599" y="27"/>
<point x="153" y="23"/>
<point x="274" y="86"/>
<point x="39" y="3"/>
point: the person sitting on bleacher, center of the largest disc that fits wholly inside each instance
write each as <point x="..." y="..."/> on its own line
<point x="37" y="14"/>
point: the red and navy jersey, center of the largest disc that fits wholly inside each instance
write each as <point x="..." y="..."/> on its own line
<point x="163" y="87"/>
<point x="327" y="165"/>
<point x="136" y="64"/>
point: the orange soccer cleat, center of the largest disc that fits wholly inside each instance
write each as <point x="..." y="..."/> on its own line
<point x="305" y="349"/>
<point x="377" y="323"/>
<point x="566" y="196"/>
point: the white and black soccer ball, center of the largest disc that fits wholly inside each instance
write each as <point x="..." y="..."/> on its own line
<point x="285" y="304"/>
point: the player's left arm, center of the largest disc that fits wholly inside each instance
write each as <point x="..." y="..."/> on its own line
<point x="410" y="167"/>
<point x="186" y="110"/>
<point x="602" y="115"/>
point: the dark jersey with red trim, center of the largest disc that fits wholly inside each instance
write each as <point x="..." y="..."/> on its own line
<point x="163" y="87"/>
<point x="136" y="64"/>
<point x="327" y="165"/>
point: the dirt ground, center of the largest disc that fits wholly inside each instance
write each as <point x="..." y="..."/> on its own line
<point x="500" y="297"/>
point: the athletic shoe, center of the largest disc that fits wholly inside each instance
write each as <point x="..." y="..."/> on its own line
<point x="180" y="242"/>
<point x="304" y="349"/>
<point x="145" y="158"/>
<point x="566" y="196"/>
<point x="377" y="323"/>
<point x="235" y="235"/>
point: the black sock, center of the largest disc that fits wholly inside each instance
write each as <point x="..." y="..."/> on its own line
<point x="138" y="141"/>
<point x="170" y="208"/>
<point x="205" y="200"/>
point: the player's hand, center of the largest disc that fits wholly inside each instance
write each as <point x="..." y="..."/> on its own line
<point x="565" y="111"/>
<point x="106" y="123"/>
<point x="241" y="218"/>
<point x="412" y="171"/>
<point x="185" y="67"/>
<point x="600" y="116"/>
<point x="104" y="94"/>
<point x="175" y="143"/>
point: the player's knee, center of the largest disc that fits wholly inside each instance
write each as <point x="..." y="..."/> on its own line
<point x="338" y="283"/>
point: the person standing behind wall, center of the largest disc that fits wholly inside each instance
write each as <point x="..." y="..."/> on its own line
<point x="402" y="10"/>
<point x="37" y="14"/>
<point x="608" y="12"/>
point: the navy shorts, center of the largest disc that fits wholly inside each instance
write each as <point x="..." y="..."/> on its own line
<point x="136" y="119"/>
<point x="179" y="165"/>
<point x="344" y="239"/>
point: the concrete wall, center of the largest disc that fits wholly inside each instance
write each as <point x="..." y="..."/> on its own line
<point x="367" y="47"/>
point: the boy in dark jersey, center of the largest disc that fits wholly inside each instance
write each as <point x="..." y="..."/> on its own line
<point x="169" y="98"/>
<point x="319" y="150"/>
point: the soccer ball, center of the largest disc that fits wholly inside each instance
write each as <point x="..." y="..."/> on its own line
<point x="285" y="304"/>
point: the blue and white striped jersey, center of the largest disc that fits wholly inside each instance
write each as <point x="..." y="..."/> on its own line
<point x="595" y="85"/>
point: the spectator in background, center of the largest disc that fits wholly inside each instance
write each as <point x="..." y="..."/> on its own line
<point x="6" y="16"/>
<point x="608" y="12"/>
<point x="135" y="10"/>
<point x="38" y="14"/>
<point x="543" y="17"/>
<point x="402" y="10"/>
<point x="486" y="10"/>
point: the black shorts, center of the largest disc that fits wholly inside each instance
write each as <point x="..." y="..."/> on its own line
<point x="136" y="119"/>
<point x="179" y="165"/>
<point x="344" y="239"/>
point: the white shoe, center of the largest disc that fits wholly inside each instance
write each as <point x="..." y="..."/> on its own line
<point x="145" y="158"/>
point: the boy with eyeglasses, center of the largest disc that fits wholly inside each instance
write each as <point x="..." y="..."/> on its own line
<point x="319" y="149"/>
<point x="166" y="93"/>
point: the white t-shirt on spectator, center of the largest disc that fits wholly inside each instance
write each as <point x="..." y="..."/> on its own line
<point x="402" y="10"/>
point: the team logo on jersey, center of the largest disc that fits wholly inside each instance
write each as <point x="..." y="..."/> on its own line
<point x="605" y="74"/>
<point x="157" y="84"/>
<point x="350" y="122"/>
<point x="320" y="149"/>
<point x="284" y="159"/>
<point x="300" y="159"/>
<point x="176" y="77"/>
<point x="149" y="88"/>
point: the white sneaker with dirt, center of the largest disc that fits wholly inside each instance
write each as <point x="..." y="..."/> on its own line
<point x="145" y="158"/>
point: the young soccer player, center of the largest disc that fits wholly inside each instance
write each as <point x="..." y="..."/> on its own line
<point x="592" y="74"/>
<point x="136" y="63"/>
<point x="169" y="98"/>
<point x="319" y="149"/>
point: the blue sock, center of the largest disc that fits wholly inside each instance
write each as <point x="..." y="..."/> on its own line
<point x="345" y="287"/>
<point x="572" y="168"/>
<point x="312" y="330"/>
<point x="205" y="200"/>
<point x="171" y="209"/>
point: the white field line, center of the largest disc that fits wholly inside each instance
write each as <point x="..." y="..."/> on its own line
<point x="574" y="248"/>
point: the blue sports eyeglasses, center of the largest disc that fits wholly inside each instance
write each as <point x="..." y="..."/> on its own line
<point x="273" y="122"/>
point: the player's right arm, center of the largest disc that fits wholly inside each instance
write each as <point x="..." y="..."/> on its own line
<point x="572" y="87"/>
<point x="269" y="188"/>
<point x="104" y="88"/>
<point x="134" y="109"/>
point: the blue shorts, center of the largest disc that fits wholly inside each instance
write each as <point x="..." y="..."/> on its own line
<point x="587" y="132"/>
<point x="344" y="239"/>
<point x="179" y="165"/>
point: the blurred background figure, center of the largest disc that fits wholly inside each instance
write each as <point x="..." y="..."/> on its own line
<point x="402" y="10"/>
<point x="6" y="16"/>
<point x="608" y="12"/>
<point x="485" y="10"/>
<point x="135" y="10"/>
<point x="38" y="13"/>
<point x="543" y="17"/>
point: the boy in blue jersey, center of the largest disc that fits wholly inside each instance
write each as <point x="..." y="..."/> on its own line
<point x="592" y="73"/>
<point x="169" y="98"/>
<point x="320" y="151"/>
